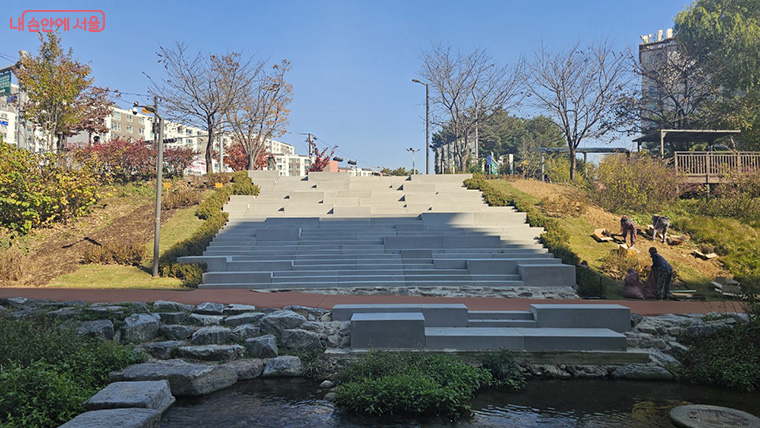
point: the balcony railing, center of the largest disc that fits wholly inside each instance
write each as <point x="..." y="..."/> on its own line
<point x="712" y="166"/>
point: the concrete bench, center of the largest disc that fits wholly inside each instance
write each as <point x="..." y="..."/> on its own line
<point x="435" y="315"/>
<point x="613" y="317"/>
<point x="388" y="330"/>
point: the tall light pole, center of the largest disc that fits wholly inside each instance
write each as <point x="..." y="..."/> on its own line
<point x="427" y="124"/>
<point x="159" y="175"/>
<point x="412" y="151"/>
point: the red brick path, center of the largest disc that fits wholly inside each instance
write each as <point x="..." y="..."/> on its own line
<point x="327" y="301"/>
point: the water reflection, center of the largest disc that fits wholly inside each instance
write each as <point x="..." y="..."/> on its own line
<point x="568" y="403"/>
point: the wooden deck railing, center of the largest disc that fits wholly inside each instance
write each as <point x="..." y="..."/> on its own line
<point x="713" y="165"/>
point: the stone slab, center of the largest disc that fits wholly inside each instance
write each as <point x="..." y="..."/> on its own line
<point x="116" y="418"/>
<point x="473" y="338"/>
<point x="184" y="378"/>
<point x="547" y="275"/>
<point x="154" y="395"/>
<point x="572" y="339"/>
<point x="613" y="317"/>
<point x="435" y="315"/>
<point x="278" y="234"/>
<point x="388" y="330"/>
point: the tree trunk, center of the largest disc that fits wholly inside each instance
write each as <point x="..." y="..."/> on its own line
<point x="209" y="145"/>
<point x="251" y="160"/>
<point x="572" y="163"/>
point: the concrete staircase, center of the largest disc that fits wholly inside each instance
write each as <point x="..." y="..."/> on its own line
<point x="331" y="230"/>
<point x="546" y="327"/>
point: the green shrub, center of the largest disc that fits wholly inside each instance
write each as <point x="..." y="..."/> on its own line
<point x="47" y="371"/>
<point x="385" y="383"/>
<point x="38" y="190"/>
<point x="211" y="211"/>
<point x="504" y="370"/>
<point x="39" y="395"/>
<point x="730" y="358"/>
<point x="589" y="283"/>
<point x="191" y="274"/>
<point x="639" y="183"/>
<point x="127" y="254"/>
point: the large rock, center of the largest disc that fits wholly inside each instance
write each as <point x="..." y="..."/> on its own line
<point x="140" y="327"/>
<point x="208" y="308"/>
<point x="97" y="328"/>
<point x="176" y="332"/>
<point x="244" y="318"/>
<point x="63" y="314"/>
<point x="173" y="317"/>
<point x="162" y="350"/>
<point x="300" y="340"/>
<point x="286" y="366"/>
<point x="184" y="378"/>
<point x="247" y="369"/>
<point x="148" y="394"/>
<point x="262" y="347"/>
<point x="641" y="372"/>
<point x="198" y="319"/>
<point x="214" y="335"/>
<point x="276" y="322"/>
<point x="236" y="309"/>
<point x="211" y="352"/>
<point x="162" y="305"/>
<point x="244" y="331"/>
<point x="116" y="418"/>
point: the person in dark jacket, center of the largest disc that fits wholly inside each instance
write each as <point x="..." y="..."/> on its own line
<point x="627" y="226"/>
<point x="660" y="224"/>
<point x="663" y="273"/>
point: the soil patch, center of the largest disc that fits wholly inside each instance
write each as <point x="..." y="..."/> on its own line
<point x="59" y="250"/>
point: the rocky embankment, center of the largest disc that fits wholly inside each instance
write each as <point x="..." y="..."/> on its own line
<point x="196" y="350"/>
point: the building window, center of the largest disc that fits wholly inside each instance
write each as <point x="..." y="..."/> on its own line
<point x="189" y="141"/>
<point x="142" y="121"/>
<point x="140" y="131"/>
<point x="129" y="128"/>
<point x="116" y="126"/>
<point x="129" y="118"/>
<point x="117" y="115"/>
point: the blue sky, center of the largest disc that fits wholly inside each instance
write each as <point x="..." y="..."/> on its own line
<point x="353" y="60"/>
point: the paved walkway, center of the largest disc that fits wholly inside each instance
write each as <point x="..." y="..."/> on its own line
<point x="327" y="301"/>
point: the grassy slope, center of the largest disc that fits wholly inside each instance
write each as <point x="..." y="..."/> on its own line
<point x="693" y="274"/>
<point x="182" y="224"/>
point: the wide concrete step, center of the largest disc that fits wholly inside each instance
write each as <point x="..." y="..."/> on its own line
<point x="362" y="284"/>
<point x="501" y="315"/>
<point x="503" y="323"/>
<point x="524" y="339"/>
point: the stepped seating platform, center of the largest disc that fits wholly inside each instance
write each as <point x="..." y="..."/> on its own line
<point x="546" y="327"/>
<point x="332" y="230"/>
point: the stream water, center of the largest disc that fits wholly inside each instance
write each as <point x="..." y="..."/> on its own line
<point x="564" y="403"/>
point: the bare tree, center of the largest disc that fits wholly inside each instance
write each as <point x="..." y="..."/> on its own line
<point x="96" y="104"/>
<point x="465" y="88"/>
<point x="201" y="89"/>
<point x="580" y="90"/>
<point x="262" y="113"/>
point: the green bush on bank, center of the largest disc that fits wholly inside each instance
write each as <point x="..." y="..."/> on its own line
<point x="209" y="210"/>
<point x="386" y="383"/>
<point x="47" y="371"/>
<point x="730" y="358"/>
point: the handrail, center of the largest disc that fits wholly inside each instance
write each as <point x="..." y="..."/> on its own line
<point x="715" y="163"/>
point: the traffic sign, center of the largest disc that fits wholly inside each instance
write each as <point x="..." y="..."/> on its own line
<point x="5" y="83"/>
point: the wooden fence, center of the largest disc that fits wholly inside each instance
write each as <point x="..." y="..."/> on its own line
<point x="712" y="167"/>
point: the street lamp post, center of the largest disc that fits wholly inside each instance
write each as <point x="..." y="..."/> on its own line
<point x="412" y="151"/>
<point x="427" y="124"/>
<point x="159" y="176"/>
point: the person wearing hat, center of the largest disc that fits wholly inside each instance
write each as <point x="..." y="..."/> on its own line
<point x="663" y="273"/>
<point x="627" y="226"/>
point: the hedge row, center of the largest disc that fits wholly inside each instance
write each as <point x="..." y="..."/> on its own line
<point x="211" y="211"/>
<point x="555" y="237"/>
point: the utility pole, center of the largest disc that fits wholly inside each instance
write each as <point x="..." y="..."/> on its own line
<point x="309" y="140"/>
<point x="412" y="151"/>
<point x="427" y="124"/>
<point x="159" y="185"/>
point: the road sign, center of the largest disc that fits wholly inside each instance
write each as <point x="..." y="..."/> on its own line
<point x="5" y="83"/>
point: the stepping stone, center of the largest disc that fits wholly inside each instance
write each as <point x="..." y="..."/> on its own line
<point x="154" y="395"/>
<point x="116" y="418"/>
<point x="184" y="378"/>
